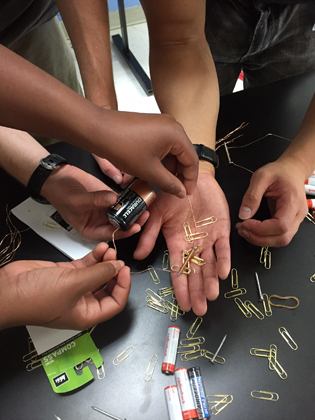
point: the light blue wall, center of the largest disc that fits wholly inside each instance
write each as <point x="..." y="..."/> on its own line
<point x="113" y="4"/>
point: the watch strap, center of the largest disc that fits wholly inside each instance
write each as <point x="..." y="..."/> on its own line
<point x="41" y="173"/>
<point x="207" y="154"/>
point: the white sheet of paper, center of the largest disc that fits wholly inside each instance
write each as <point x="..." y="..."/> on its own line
<point x="38" y="217"/>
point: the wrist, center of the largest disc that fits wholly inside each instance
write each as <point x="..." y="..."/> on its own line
<point x="53" y="182"/>
<point x="206" y="168"/>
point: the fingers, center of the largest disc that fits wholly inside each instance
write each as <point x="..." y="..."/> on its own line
<point x="148" y="237"/>
<point x="91" y="278"/>
<point x="93" y="200"/>
<point x="252" y="198"/>
<point x="109" y="169"/>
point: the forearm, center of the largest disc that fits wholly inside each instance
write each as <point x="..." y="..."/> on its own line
<point x="301" y="152"/>
<point x="33" y="101"/>
<point x="87" y="24"/>
<point x="19" y="153"/>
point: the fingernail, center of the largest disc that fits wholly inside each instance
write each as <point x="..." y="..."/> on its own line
<point x="118" y="265"/>
<point x="117" y="179"/>
<point x="244" y="213"/>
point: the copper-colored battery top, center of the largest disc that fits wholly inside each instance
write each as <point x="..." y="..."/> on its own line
<point x="143" y="190"/>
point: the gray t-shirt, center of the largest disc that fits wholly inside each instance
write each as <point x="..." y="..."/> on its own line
<point x="18" y="17"/>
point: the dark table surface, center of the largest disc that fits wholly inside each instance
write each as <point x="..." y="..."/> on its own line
<point x="277" y="109"/>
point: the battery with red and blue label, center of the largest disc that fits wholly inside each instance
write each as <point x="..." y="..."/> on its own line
<point x="170" y="353"/>
<point x="187" y="403"/>
<point x="198" y="392"/>
<point x="172" y="402"/>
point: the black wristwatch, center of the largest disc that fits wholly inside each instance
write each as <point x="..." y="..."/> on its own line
<point x="41" y="173"/>
<point x="205" y="153"/>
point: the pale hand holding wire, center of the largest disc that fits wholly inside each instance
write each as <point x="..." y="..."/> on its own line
<point x="64" y="295"/>
<point x="282" y="183"/>
<point x="82" y="201"/>
<point x="169" y="214"/>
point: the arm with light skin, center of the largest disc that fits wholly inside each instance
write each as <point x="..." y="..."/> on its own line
<point x="282" y="183"/>
<point x="80" y="198"/>
<point x="73" y="298"/>
<point x="33" y="101"/>
<point x="185" y="85"/>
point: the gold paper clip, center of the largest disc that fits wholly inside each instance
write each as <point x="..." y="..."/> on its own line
<point x="126" y="353"/>
<point x="265" y="257"/>
<point x="155" y="277"/>
<point x="30" y="356"/>
<point x="284" y="298"/>
<point x="310" y="217"/>
<point x="312" y="278"/>
<point x="172" y="306"/>
<point x="287" y="337"/>
<point x="234" y="278"/>
<point x="158" y="306"/>
<point x="193" y="329"/>
<point x="263" y="395"/>
<point x="234" y="293"/>
<point x="190" y="341"/>
<point x="186" y="270"/>
<point x="33" y="365"/>
<point x="280" y="371"/>
<point x="165" y="260"/>
<point x="259" y="352"/>
<point x="198" y="261"/>
<point x="191" y="355"/>
<point x="187" y="349"/>
<point x="174" y="312"/>
<point x="150" y="369"/>
<point x="195" y="236"/>
<point x="272" y="356"/>
<point x="101" y="372"/>
<point x="205" y="222"/>
<point x="242" y="307"/>
<point x="249" y="305"/>
<point x="165" y="291"/>
<point x="219" y="405"/>
<point x="267" y="307"/>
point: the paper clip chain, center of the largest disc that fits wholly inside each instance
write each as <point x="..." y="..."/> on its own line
<point x="193" y="329"/>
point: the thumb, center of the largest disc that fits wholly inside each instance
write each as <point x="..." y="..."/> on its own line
<point x="253" y="196"/>
<point x="91" y="278"/>
<point x="95" y="200"/>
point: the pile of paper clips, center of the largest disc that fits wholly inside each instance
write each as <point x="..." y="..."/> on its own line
<point x="158" y="302"/>
<point x="219" y="401"/>
<point x="189" y="348"/>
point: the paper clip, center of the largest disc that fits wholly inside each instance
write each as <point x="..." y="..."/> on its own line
<point x="287" y="337"/>
<point x="265" y="257"/>
<point x="186" y="270"/>
<point x="205" y="222"/>
<point x="33" y="365"/>
<point x="234" y="293"/>
<point x="193" y="329"/>
<point x="280" y="371"/>
<point x="189" y="341"/>
<point x="165" y="291"/>
<point x="30" y="356"/>
<point x="150" y="369"/>
<point x="199" y="261"/>
<point x="249" y="305"/>
<point x="51" y="225"/>
<point x="154" y="296"/>
<point x="234" y="278"/>
<point x="310" y="218"/>
<point x="263" y="395"/>
<point x="165" y="260"/>
<point x="312" y="278"/>
<point x="225" y="401"/>
<point x="259" y="352"/>
<point x="210" y="356"/>
<point x="126" y="353"/>
<point x="284" y="298"/>
<point x="272" y="356"/>
<point x="101" y="372"/>
<point x="195" y="236"/>
<point x="191" y="355"/>
<point x="187" y="349"/>
<point x="172" y="306"/>
<point x="157" y="306"/>
<point x="155" y="277"/>
<point x="267" y="307"/>
<point x="242" y="307"/>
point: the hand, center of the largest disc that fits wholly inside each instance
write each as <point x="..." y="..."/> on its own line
<point x="137" y="143"/>
<point x="64" y="295"/>
<point x="82" y="201"/>
<point x="170" y="213"/>
<point x="114" y="173"/>
<point x="283" y="185"/>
